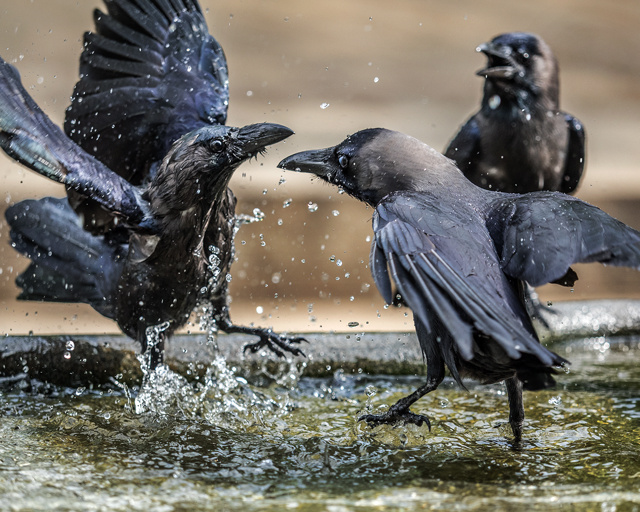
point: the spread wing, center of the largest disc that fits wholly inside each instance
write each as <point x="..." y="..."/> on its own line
<point x="149" y="74"/>
<point x="540" y="235"/>
<point x="464" y="149"/>
<point x="574" y="164"/>
<point x="443" y="261"/>
<point x="28" y="136"/>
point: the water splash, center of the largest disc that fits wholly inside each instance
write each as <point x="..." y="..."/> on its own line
<point x="221" y="397"/>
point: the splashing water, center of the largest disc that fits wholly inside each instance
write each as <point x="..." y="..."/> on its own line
<point x="222" y="397"/>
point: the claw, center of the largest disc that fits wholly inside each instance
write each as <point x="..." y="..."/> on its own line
<point x="275" y="343"/>
<point x="394" y="417"/>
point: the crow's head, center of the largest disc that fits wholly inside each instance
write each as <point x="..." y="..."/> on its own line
<point x="375" y="162"/>
<point x="200" y="164"/>
<point x="519" y="64"/>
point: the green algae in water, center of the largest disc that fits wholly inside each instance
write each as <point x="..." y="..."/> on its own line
<point x="86" y="450"/>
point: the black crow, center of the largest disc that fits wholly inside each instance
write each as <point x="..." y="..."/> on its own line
<point x="519" y="141"/>
<point x="147" y="176"/>
<point x="459" y="256"/>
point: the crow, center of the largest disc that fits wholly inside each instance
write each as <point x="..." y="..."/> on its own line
<point x="460" y="255"/>
<point x="146" y="232"/>
<point x="519" y="141"/>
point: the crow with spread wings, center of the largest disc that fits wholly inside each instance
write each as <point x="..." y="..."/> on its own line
<point x="146" y="231"/>
<point x="459" y="256"/>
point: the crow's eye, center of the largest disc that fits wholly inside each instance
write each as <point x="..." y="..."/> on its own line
<point x="343" y="161"/>
<point x="217" y="145"/>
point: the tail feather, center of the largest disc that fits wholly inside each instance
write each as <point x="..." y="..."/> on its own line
<point x="68" y="263"/>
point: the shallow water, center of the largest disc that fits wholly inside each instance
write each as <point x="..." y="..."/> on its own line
<point x="299" y="446"/>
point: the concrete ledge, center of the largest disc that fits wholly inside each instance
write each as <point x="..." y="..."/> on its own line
<point x="98" y="360"/>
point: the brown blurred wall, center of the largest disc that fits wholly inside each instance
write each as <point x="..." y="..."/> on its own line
<point x="288" y="57"/>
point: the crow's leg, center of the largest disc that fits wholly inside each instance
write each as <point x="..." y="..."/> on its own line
<point x="400" y="413"/>
<point x="277" y="343"/>
<point x="516" y="406"/>
<point x="153" y="346"/>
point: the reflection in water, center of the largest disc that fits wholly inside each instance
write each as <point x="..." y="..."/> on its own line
<point x="235" y="445"/>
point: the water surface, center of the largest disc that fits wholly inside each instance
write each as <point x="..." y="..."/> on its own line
<point x="296" y="444"/>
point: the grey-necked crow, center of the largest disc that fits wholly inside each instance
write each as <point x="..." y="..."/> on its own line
<point x="459" y="256"/>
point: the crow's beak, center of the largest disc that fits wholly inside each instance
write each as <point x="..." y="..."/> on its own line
<point x="319" y="162"/>
<point x="256" y="137"/>
<point x="500" y="62"/>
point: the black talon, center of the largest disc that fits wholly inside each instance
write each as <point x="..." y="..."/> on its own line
<point x="274" y="343"/>
<point x="392" y="416"/>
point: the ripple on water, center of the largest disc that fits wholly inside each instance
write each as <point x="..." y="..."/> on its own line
<point x="229" y="442"/>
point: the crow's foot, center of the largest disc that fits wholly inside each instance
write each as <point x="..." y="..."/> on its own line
<point x="395" y="416"/>
<point x="277" y="343"/>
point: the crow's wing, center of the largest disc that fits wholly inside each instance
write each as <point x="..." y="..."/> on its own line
<point x="539" y="236"/>
<point x="464" y="149"/>
<point x="149" y="74"/>
<point x="30" y="137"/>
<point x="574" y="163"/>
<point x="443" y="261"/>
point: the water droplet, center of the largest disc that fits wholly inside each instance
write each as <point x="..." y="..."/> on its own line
<point x="555" y="401"/>
<point x="324" y="105"/>
<point x="494" y="102"/>
<point x="335" y="213"/>
<point x="259" y="310"/>
<point x="332" y="258"/>
<point x="549" y="303"/>
<point x="339" y="263"/>
<point x="67" y="355"/>
<point x="249" y="93"/>
<point x="70" y="345"/>
<point x="279" y="222"/>
<point x="370" y="391"/>
<point x="80" y="390"/>
<point x="287" y="203"/>
<point x="353" y="324"/>
<point x="228" y="278"/>
<point x="259" y="215"/>
<point x="376" y="80"/>
<point x="312" y="206"/>
<point x="352" y="298"/>
<point x="282" y="181"/>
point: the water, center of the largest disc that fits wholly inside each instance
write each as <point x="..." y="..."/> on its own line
<point x="299" y="445"/>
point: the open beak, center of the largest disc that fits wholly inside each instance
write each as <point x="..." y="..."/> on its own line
<point x="254" y="138"/>
<point x="500" y="62"/>
<point x="320" y="162"/>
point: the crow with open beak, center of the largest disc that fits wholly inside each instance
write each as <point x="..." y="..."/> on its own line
<point x="146" y="232"/>
<point x="520" y="141"/>
<point x="459" y="256"/>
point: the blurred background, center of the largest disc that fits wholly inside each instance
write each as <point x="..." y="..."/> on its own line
<point x="404" y="65"/>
